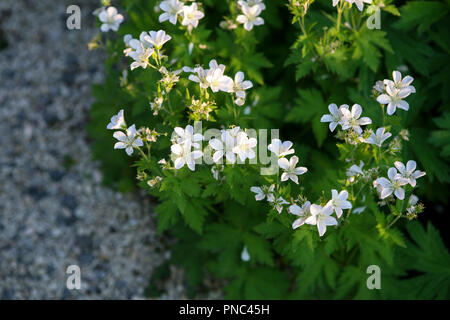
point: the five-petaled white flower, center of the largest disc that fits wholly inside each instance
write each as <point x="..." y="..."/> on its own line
<point x="378" y="138"/>
<point x="157" y="38"/>
<point x="250" y="16"/>
<point x="335" y="117"/>
<point x="281" y="149"/>
<point x="140" y="55"/>
<point x="110" y="19"/>
<point x="264" y="192"/>
<point x="409" y="172"/>
<point x="191" y="15"/>
<point x="339" y="201"/>
<point x="321" y="217"/>
<point x="187" y="136"/>
<point x="290" y="169"/>
<point x="216" y="79"/>
<point x="302" y="212"/>
<point x="351" y="119"/>
<point x="278" y="204"/>
<point x="394" y="98"/>
<point x="117" y="121"/>
<point x="171" y="8"/>
<point x="225" y="145"/>
<point x="244" y="146"/>
<point x="184" y="155"/>
<point x="393" y="185"/>
<point x="399" y="83"/>
<point x="239" y="87"/>
<point x="128" y="141"/>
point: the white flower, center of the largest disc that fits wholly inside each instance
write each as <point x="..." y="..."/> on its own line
<point x="144" y="38"/>
<point x="240" y="85"/>
<point x="379" y="86"/>
<point x="110" y="19"/>
<point x="339" y="201"/>
<point x="399" y="83"/>
<point x="321" y="217"/>
<point x="359" y="210"/>
<point x="191" y="15"/>
<point x="200" y="76"/>
<point x="244" y="146"/>
<point x="290" y="170"/>
<point x="281" y="149"/>
<point x="409" y="172"/>
<point x="393" y="98"/>
<point x="354" y="169"/>
<point x="263" y="192"/>
<point x="224" y="146"/>
<point x="187" y="136"/>
<point x="185" y="156"/>
<point x="359" y="3"/>
<point x="126" y="39"/>
<point x="251" y="3"/>
<point x="250" y="16"/>
<point x="217" y="80"/>
<point x="218" y="146"/>
<point x="171" y="8"/>
<point x="140" y="55"/>
<point x="278" y="204"/>
<point x="117" y="121"/>
<point x="128" y="141"/>
<point x="245" y="256"/>
<point x="351" y="119"/>
<point x="413" y="199"/>
<point x="157" y="38"/>
<point x="302" y="212"/>
<point x="335" y="2"/>
<point x="393" y="185"/>
<point x="335" y="117"/>
<point x="378" y="138"/>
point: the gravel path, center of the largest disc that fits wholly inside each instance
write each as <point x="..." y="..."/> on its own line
<point x="54" y="212"/>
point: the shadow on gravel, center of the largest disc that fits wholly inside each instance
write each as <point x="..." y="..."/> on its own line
<point x="3" y="41"/>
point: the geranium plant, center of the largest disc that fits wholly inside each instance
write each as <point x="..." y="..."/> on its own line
<point x="248" y="199"/>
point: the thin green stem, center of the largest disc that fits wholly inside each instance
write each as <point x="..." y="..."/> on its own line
<point x="142" y="153"/>
<point x="394" y="221"/>
<point x="339" y="11"/>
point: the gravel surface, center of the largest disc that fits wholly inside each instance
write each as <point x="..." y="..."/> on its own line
<point x="54" y="212"/>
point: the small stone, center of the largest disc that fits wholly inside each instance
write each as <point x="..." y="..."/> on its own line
<point x="69" y="202"/>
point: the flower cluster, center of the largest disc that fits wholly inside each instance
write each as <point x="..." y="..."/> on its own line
<point x="190" y="15"/>
<point x="290" y="172"/>
<point x="185" y="147"/>
<point x="394" y="185"/>
<point x="251" y="9"/>
<point x="318" y="215"/>
<point x="215" y="79"/>
<point x="148" y="45"/>
<point x="128" y="137"/>
<point x="235" y="145"/>
<point x="394" y="91"/>
<point x="349" y="120"/>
